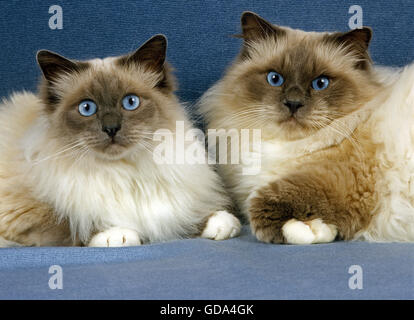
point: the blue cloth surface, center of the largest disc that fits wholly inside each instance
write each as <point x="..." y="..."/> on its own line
<point x="240" y="268"/>
<point x="200" y="47"/>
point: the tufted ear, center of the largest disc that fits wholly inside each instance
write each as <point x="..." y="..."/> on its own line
<point x="255" y="27"/>
<point x="356" y="41"/>
<point x="361" y="37"/>
<point x="52" y="64"/>
<point x="151" y="54"/>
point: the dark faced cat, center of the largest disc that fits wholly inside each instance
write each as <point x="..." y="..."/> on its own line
<point x="312" y="95"/>
<point x="77" y="161"/>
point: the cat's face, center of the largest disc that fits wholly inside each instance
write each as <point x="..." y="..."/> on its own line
<point x="111" y="106"/>
<point x="290" y="83"/>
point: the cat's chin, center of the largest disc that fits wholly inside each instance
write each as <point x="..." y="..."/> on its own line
<point x="112" y="152"/>
<point x="292" y="129"/>
<point x="292" y="122"/>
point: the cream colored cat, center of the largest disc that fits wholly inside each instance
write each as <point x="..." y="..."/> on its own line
<point x="77" y="164"/>
<point x="337" y="136"/>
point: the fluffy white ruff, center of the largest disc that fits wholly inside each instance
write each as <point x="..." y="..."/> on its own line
<point x="392" y="126"/>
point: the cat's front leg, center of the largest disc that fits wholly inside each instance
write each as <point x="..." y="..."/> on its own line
<point x="115" y="237"/>
<point x="296" y="210"/>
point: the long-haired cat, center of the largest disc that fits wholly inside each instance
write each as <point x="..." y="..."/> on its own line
<point x="77" y="164"/>
<point x="337" y="136"/>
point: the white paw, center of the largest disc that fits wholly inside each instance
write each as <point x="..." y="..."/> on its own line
<point x="221" y="225"/>
<point x="323" y="232"/>
<point x="115" y="237"/>
<point x="314" y="231"/>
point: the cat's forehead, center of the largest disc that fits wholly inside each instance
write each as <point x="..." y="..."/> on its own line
<point x="106" y="78"/>
<point x="103" y="64"/>
<point x="295" y="43"/>
<point x="298" y="50"/>
<point x="295" y="35"/>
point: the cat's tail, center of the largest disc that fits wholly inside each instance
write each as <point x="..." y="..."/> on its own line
<point x="8" y="244"/>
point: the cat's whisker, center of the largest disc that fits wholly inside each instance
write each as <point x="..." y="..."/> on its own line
<point x="217" y="94"/>
<point x="340" y="128"/>
<point x="155" y="133"/>
<point x="81" y="155"/>
<point x="57" y="154"/>
<point x="145" y="146"/>
<point x="246" y="117"/>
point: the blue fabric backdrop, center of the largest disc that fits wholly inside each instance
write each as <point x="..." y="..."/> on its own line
<point x="240" y="268"/>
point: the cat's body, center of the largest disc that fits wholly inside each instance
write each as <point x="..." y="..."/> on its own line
<point x="342" y="174"/>
<point x="102" y="193"/>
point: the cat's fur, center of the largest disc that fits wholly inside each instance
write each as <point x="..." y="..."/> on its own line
<point x="340" y="166"/>
<point x="65" y="181"/>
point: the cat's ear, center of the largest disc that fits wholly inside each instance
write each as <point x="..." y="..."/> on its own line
<point x="255" y="27"/>
<point x="151" y="54"/>
<point x="356" y="41"/>
<point x="53" y="65"/>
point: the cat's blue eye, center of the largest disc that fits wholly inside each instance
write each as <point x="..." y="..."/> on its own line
<point x="130" y="102"/>
<point x="87" y="108"/>
<point x="320" y="83"/>
<point x="275" y="79"/>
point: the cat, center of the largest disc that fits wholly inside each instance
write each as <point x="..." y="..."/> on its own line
<point x="337" y="136"/>
<point x="77" y="164"/>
